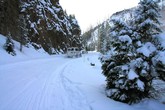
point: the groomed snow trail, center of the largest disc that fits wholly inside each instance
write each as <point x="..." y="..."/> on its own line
<point x="59" y="83"/>
<point x="40" y="85"/>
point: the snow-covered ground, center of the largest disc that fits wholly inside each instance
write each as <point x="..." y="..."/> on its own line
<point x="36" y="81"/>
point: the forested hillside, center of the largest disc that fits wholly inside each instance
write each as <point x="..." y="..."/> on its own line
<point x="42" y="23"/>
<point x="93" y="37"/>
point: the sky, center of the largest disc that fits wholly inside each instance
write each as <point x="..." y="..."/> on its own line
<point x="92" y="12"/>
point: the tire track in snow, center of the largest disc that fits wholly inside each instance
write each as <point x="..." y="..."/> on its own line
<point x="16" y="98"/>
<point x="45" y="90"/>
<point x="77" y="98"/>
<point x="32" y="93"/>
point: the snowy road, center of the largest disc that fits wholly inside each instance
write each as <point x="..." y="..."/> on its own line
<point x="39" y="85"/>
<point x="58" y="83"/>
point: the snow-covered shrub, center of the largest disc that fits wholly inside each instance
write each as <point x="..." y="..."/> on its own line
<point x="9" y="46"/>
<point x="36" y="46"/>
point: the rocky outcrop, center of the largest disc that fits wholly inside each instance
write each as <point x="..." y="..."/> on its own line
<point x="44" y="24"/>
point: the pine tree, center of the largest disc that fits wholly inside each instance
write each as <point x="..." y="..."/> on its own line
<point x="99" y="41"/>
<point x="148" y="20"/>
<point x="9" y="45"/>
<point x="121" y="86"/>
<point x="108" y="44"/>
<point x="129" y="72"/>
<point x="76" y="39"/>
<point x="102" y="39"/>
<point x="86" y="36"/>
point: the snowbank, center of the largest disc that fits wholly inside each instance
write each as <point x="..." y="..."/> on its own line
<point x="26" y="54"/>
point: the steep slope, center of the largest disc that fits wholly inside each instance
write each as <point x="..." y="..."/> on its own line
<point x="42" y="22"/>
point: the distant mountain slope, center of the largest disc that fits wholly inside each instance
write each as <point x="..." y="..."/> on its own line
<point x="91" y="37"/>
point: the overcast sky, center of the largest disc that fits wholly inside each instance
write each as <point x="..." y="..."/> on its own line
<point x="91" y="12"/>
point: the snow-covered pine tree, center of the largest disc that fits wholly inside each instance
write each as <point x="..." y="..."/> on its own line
<point x="99" y="40"/>
<point x="121" y="78"/>
<point x="76" y="39"/>
<point x="147" y="26"/>
<point x="158" y="59"/>
<point x="147" y="20"/>
<point x="129" y="72"/>
<point x="9" y="45"/>
<point x="107" y="29"/>
<point x="102" y="39"/>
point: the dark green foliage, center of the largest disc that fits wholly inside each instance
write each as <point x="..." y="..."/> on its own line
<point x="9" y="46"/>
<point x="160" y="68"/>
<point x="119" y="87"/>
<point x="159" y="65"/>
